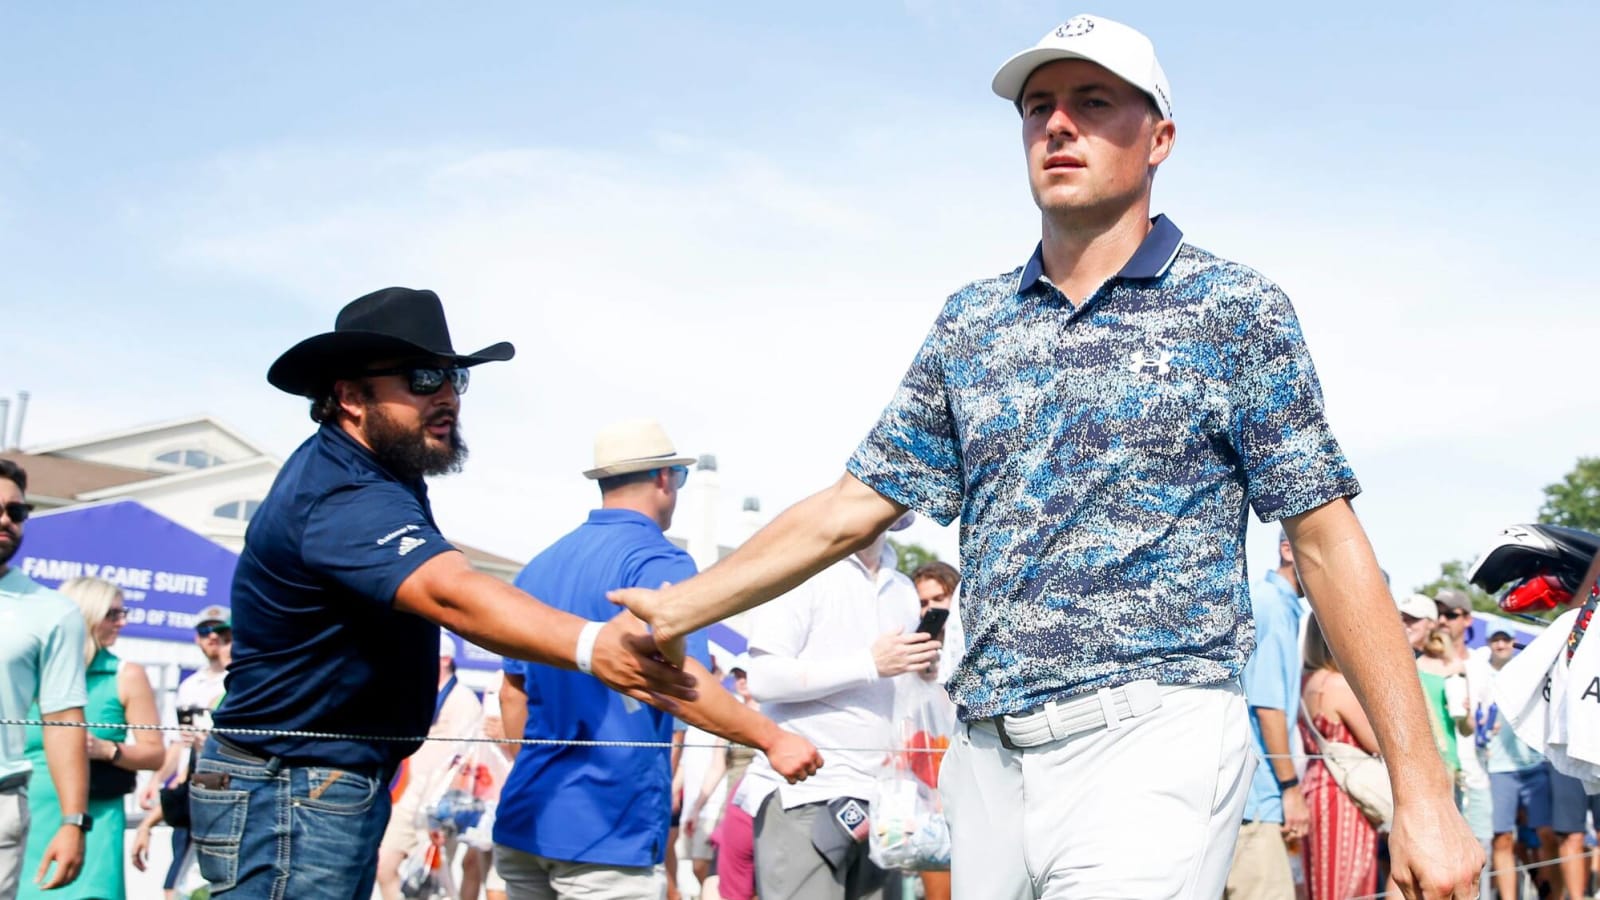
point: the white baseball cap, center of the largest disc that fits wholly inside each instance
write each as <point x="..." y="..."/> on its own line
<point x="1124" y="52"/>
<point x="1417" y="606"/>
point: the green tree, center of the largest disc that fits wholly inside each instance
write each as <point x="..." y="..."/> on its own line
<point x="910" y="556"/>
<point x="1453" y="574"/>
<point x="1574" y="501"/>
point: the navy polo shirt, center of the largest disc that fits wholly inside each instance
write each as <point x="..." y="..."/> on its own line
<point x="606" y="806"/>
<point x="1101" y="457"/>
<point x="318" y="644"/>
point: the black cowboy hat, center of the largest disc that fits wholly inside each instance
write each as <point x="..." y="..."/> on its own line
<point x="392" y="323"/>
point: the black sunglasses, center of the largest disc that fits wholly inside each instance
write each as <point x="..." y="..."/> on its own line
<point x="210" y="628"/>
<point x="426" y="380"/>
<point x="18" y="512"/>
<point x="1454" y="614"/>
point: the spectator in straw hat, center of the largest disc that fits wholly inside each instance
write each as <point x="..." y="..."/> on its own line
<point x="339" y="594"/>
<point x="1100" y="419"/>
<point x="579" y="821"/>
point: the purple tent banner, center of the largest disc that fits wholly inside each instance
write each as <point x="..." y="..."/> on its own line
<point x="167" y="572"/>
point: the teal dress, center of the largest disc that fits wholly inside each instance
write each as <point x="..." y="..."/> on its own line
<point x="102" y="875"/>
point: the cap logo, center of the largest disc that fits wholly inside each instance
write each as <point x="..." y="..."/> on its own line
<point x="1077" y="26"/>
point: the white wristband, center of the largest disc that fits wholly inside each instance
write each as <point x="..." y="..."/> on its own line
<point x="586" y="639"/>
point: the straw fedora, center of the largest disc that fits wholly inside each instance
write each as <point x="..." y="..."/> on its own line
<point x="637" y="445"/>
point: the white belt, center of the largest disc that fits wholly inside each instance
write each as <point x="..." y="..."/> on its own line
<point x="1060" y="719"/>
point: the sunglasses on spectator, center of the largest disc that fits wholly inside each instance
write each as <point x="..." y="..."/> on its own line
<point x="425" y="381"/>
<point x="1452" y="614"/>
<point x="210" y="628"/>
<point x="116" y="614"/>
<point x="18" y="512"/>
<point x="680" y="476"/>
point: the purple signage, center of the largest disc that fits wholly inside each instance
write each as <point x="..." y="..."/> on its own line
<point x="167" y="572"/>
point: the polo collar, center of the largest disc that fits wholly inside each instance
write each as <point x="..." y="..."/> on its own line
<point x="1152" y="260"/>
<point x="621" y="517"/>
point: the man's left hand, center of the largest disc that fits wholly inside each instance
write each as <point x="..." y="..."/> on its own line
<point x="793" y="757"/>
<point x="627" y="660"/>
<point x="1432" y="853"/>
<point x="1296" y="815"/>
<point x="650" y="606"/>
<point x="65" y="850"/>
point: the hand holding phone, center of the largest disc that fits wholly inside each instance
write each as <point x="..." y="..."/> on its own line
<point x="933" y="620"/>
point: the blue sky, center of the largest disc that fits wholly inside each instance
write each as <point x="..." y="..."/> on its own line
<point x="741" y="219"/>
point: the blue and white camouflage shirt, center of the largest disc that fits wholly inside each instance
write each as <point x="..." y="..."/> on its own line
<point x="1100" y="457"/>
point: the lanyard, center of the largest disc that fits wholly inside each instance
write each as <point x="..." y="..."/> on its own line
<point x="444" y="693"/>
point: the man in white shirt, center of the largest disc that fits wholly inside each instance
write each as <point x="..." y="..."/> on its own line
<point x="823" y="660"/>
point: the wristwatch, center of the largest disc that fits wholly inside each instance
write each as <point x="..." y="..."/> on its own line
<point x="83" y="820"/>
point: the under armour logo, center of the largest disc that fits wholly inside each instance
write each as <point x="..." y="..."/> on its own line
<point x="1076" y="26"/>
<point x="1147" y="360"/>
<point x="408" y="544"/>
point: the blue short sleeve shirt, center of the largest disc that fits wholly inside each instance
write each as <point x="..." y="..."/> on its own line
<point x="1272" y="681"/>
<point x="606" y="806"/>
<point x="318" y="645"/>
<point x="1100" y="457"/>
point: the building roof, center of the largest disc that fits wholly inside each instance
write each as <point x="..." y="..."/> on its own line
<point x="67" y="447"/>
<point x="476" y="556"/>
<point x="63" y="478"/>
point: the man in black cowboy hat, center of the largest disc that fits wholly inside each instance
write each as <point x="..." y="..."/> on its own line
<point x="338" y="598"/>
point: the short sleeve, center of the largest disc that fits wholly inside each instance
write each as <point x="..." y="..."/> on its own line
<point x="369" y="538"/>
<point x="912" y="455"/>
<point x="1292" y="463"/>
<point x="61" y="683"/>
<point x="674" y="568"/>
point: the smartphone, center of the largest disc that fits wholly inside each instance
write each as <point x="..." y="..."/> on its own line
<point x="933" y="620"/>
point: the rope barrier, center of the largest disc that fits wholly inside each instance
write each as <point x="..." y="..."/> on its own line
<point x="389" y="738"/>
<point x="546" y="742"/>
<point x="1492" y="873"/>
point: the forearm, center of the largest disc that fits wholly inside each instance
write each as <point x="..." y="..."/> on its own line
<point x="714" y="773"/>
<point x="781" y="679"/>
<point x="1342" y="580"/>
<point x="140" y="755"/>
<point x="1275" y="735"/>
<point x="720" y="713"/>
<point x="67" y="756"/>
<point x="802" y="541"/>
<point x="490" y="613"/>
<point x="513" y="712"/>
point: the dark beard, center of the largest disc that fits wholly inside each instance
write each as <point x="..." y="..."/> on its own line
<point x="9" y="550"/>
<point x="406" y="452"/>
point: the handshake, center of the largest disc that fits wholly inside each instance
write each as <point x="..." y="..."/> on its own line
<point x="640" y="654"/>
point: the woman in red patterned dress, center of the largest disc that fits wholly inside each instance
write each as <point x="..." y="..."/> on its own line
<point x="1341" y="854"/>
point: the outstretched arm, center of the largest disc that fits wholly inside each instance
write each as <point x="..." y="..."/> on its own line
<point x="805" y="539"/>
<point x="498" y="617"/>
<point x="720" y="713"/>
<point x="1434" y="853"/>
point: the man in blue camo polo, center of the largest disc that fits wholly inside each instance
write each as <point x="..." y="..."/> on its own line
<point x="1101" y="419"/>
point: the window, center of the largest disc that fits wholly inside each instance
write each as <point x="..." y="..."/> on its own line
<point x="190" y="459"/>
<point x="237" y="510"/>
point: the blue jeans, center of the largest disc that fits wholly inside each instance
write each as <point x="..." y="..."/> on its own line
<point x="265" y="830"/>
